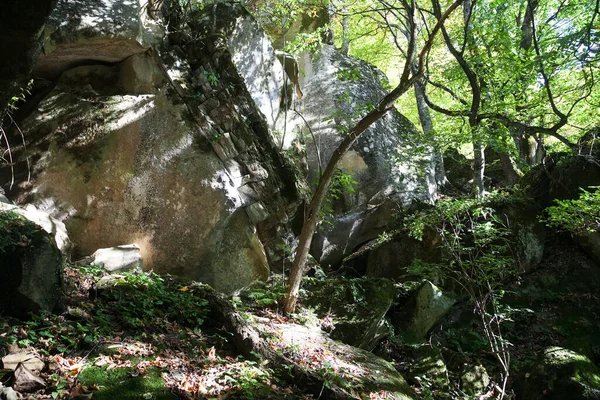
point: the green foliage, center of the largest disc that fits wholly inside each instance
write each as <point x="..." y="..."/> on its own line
<point x="23" y="93"/>
<point x="265" y="294"/>
<point x="212" y="77"/>
<point x="151" y="300"/>
<point x="350" y="75"/>
<point x="341" y="184"/>
<point x="474" y="238"/>
<point x="576" y="216"/>
<point x="125" y="383"/>
<point x="306" y="42"/>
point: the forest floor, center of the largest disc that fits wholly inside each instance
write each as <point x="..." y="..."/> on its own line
<point x="141" y="335"/>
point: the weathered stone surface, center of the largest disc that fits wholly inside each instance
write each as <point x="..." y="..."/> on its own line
<point x="53" y="226"/>
<point x="527" y="233"/>
<point x="392" y="259"/>
<point x="387" y="161"/>
<point x="118" y="258"/>
<point x="8" y="393"/>
<point x="30" y="268"/>
<point x="248" y="43"/>
<point x="124" y="160"/>
<point x="348" y="231"/>
<point x="385" y="158"/>
<point x="354" y="309"/>
<point x="560" y="373"/>
<point x="526" y="238"/>
<point x="364" y="372"/>
<point x="127" y="169"/>
<point x="428" y="362"/>
<point x="84" y="32"/>
<point x="28" y="359"/>
<point x="430" y="304"/>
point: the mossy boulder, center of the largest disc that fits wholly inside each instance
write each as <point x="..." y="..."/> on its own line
<point x="30" y="268"/>
<point x="560" y="373"/>
<point x="428" y="365"/>
<point x="353" y="309"/>
<point x="429" y="304"/>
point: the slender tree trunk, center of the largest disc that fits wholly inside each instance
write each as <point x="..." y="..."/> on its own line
<point x="437" y="160"/>
<point x="478" y="145"/>
<point x="478" y="164"/>
<point x="312" y="216"/>
<point x="520" y="138"/>
<point x="345" y="33"/>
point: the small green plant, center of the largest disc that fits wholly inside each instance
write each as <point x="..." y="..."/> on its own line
<point x="212" y="77"/>
<point x="216" y="137"/>
<point x="576" y="216"/>
<point x="350" y="75"/>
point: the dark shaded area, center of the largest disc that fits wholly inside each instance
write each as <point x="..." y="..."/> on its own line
<point x="20" y="42"/>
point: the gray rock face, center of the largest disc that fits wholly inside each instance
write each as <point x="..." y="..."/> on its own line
<point x="429" y="306"/>
<point x="83" y="32"/>
<point x="30" y="268"/>
<point x="338" y="91"/>
<point x="590" y="243"/>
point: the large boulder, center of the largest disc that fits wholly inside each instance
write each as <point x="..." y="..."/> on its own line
<point x="388" y="160"/>
<point x="428" y="305"/>
<point x="527" y="233"/>
<point x="560" y="373"/>
<point x="174" y="156"/>
<point x="30" y="268"/>
<point x="393" y="258"/>
<point x="388" y="163"/>
<point x="590" y="243"/>
<point x="119" y="258"/>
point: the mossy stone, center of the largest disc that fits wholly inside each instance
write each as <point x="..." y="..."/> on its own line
<point x="560" y="373"/>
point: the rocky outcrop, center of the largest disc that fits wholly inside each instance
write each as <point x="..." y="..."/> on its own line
<point x="430" y="304"/>
<point x="526" y="237"/>
<point x="30" y="268"/>
<point x="174" y="156"/>
<point x="85" y="32"/>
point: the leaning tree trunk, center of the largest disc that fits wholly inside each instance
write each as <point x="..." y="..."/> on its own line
<point x="387" y="103"/>
<point x="437" y="160"/>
